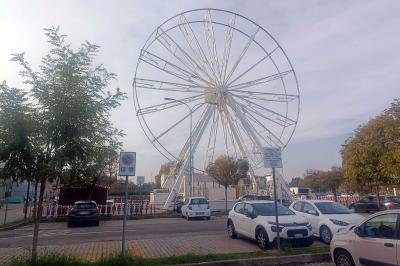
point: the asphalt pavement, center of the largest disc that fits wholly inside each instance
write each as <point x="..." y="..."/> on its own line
<point x="59" y="234"/>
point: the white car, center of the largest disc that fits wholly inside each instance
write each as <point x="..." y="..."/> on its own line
<point x="196" y="207"/>
<point x="256" y="220"/>
<point x="326" y="217"/>
<point x="374" y="242"/>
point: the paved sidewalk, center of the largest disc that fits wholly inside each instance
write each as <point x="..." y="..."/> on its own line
<point x="148" y="248"/>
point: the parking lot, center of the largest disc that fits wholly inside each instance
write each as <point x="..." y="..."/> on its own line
<point x="147" y="237"/>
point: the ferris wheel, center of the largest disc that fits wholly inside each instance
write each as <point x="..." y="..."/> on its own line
<point x="235" y="78"/>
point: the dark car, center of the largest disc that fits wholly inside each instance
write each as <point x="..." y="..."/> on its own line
<point x="84" y="212"/>
<point x="370" y="204"/>
<point x="254" y="197"/>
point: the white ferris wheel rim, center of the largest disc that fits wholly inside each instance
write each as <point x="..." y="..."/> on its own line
<point x="236" y="87"/>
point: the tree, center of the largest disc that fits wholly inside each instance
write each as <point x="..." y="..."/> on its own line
<point x="227" y="171"/>
<point x="332" y="179"/>
<point x="16" y="130"/>
<point x="295" y="182"/>
<point x="370" y="156"/>
<point x="72" y="108"/>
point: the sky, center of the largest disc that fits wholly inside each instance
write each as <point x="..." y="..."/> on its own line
<point x="345" y="54"/>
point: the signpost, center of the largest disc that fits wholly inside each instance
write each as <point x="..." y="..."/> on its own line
<point x="127" y="167"/>
<point x="273" y="159"/>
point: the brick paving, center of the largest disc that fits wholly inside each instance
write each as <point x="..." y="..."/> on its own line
<point x="147" y="248"/>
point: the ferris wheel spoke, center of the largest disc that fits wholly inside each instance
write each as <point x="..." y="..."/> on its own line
<point x="169" y="67"/>
<point x="259" y="81"/>
<point x="174" y="48"/>
<point x="272" y="97"/>
<point x="253" y="66"/>
<point x="223" y="129"/>
<point x="276" y="117"/>
<point x="211" y="140"/>
<point x="243" y="120"/>
<point x="211" y="44"/>
<point x="167" y="105"/>
<point x="227" y="46"/>
<point x="244" y="51"/>
<point x="197" y="131"/>
<point x="276" y="141"/>
<point x="236" y="135"/>
<point x="176" y="123"/>
<point x="195" y="46"/>
<point x="152" y="84"/>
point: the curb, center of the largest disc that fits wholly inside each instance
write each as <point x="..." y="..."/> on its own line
<point x="14" y="226"/>
<point x="289" y="260"/>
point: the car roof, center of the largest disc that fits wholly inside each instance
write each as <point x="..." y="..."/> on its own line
<point x="314" y="201"/>
<point x="84" y="201"/>
<point x="197" y="198"/>
<point x="257" y="201"/>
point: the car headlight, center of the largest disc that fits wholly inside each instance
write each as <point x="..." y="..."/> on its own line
<point x="309" y="226"/>
<point x="274" y="228"/>
<point x="337" y="222"/>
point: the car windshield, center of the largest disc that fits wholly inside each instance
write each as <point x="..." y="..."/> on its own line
<point x="198" y="201"/>
<point x="263" y="197"/>
<point x="332" y="208"/>
<point x="85" y="206"/>
<point x="268" y="209"/>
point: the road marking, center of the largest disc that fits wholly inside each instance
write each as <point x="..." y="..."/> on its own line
<point x="67" y="233"/>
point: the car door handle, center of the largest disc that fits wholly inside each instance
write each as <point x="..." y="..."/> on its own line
<point x="389" y="245"/>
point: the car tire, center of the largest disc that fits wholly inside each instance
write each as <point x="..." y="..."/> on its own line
<point x="325" y="234"/>
<point x="343" y="258"/>
<point x="70" y="224"/>
<point x="262" y="239"/>
<point x="208" y="217"/>
<point x="231" y="230"/>
<point x="97" y="223"/>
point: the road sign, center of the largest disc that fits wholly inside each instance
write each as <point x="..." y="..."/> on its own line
<point x="127" y="163"/>
<point x="272" y="157"/>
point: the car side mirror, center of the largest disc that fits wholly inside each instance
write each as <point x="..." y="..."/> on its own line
<point x="358" y="231"/>
<point x="312" y="212"/>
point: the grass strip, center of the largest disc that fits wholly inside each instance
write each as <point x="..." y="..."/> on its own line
<point x="58" y="259"/>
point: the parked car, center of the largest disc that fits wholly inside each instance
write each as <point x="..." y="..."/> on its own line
<point x="178" y="206"/>
<point x="326" y="217"/>
<point x="84" y="212"/>
<point x="254" y="197"/>
<point x="195" y="207"/>
<point x="373" y="242"/>
<point x="370" y="204"/>
<point x="256" y="220"/>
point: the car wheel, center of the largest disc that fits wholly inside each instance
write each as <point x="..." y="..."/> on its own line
<point x="262" y="239"/>
<point x="70" y="224"/>
<point x="343" y="258"/>
<point x="325" y="234"/>
<point x="208" y="217"/>
<point x="231" y="230"/>
<point x="97" y="223"/>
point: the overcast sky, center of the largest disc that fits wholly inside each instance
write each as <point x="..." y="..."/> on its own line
<point x="346" y="55"/>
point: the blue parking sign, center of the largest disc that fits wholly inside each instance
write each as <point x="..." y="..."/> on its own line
<point x="127" y="163"/>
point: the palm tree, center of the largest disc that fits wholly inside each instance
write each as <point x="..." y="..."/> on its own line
<point x="227" y="171"/>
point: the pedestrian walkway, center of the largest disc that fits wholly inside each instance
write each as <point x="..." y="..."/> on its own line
<point x="147" y="248"/>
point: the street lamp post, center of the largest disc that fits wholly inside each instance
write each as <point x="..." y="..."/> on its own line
<point x="190" y="143"/>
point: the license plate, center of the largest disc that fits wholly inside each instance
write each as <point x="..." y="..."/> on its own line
<point x="199" y="213"/>
<point x="298" y="235"/>
<point x="84" y="213"/>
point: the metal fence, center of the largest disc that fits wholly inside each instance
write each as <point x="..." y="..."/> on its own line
<point x="139" y="208"/>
